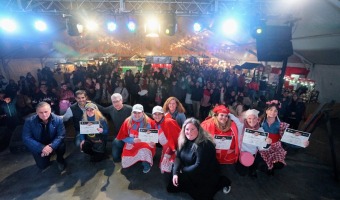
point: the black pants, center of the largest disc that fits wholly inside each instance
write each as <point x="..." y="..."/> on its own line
<point x="197" y="192"/>
<point x="43" y="162"/>
<point x="96" y="155"/>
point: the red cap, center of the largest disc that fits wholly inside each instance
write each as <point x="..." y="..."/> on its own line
<point x="221" y="109"/>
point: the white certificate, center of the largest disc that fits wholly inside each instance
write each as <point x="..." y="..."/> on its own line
<point x="295" y="137"/>
<point x="223" y="142"/>
<point x="148" y="136"/>
<point x="257" y="138"/>
<point x="91" y="127"/>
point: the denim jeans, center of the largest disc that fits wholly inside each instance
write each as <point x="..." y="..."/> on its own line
<point x="117" y="149"/>
<point x="43" y="162"/>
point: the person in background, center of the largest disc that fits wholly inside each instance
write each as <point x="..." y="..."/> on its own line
<point x="134" y="149"/>
<point x="118" y="113"/>
<point x="174" y="109"/>
<point x="123" y="91"/>
<point x="66" y="98"/>
<point x="295" y="111"/>
<point x="43" y="134"/>
<point x="220" y="125"/>
<point x="45" y="95"/>
<point x="168" y="132"/>
<point x="94" y="144"/>
<point x="9" y="110"/>
<point x="196" y="170"/>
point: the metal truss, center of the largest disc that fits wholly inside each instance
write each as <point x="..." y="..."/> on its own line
<point x="117" y="7"/>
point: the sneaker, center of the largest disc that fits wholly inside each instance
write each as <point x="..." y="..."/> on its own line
<point x="146" y="169"/>
<point x="226" y="190"/>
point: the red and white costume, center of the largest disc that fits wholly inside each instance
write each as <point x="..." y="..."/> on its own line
<point x="135" y="152"/>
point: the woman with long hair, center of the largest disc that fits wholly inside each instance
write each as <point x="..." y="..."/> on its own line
<point x="94" y="144"/>
<point x="221" y="126"/>
<point x="168" y="132"/>
<point x="174" y="109"/>
<point x="196" y="170"/>
<point x="134" y="149"/>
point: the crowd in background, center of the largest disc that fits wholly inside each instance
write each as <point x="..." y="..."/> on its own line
<point x="199" y="88"/>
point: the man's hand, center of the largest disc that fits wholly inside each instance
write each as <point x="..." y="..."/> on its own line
<point x="81" y="144"/>
<point x="175" y="180"/>
<point x="47" y="150"/>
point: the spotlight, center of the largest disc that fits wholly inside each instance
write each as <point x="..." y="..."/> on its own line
<point x="152" y="27"/>
<point x="40" y="25"/>
<point x="91" y="26"/>
<point x="131" y="26"/>
<point x="111" y="26"/>
<point x="197" y="27"/>
<point x="170" y="25"/>
<point x="8" y="25"/>
<point x="229" y="26"/>
<point x="259" y="30"/>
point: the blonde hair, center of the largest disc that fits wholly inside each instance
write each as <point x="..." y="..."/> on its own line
<point x="180" y="108"/>
<point x="202" y="136"/>
<point x="97" y="116"/>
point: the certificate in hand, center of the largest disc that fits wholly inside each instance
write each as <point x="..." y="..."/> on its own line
<point x="257" y="138"/>
<point x="223" y="142"/>
<point x="89" y="127"/>
<point x="295" y="137"/>
<point x="147" y="136"/>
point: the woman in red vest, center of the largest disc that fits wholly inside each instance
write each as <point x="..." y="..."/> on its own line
<point x="168" y="133"/>
<point x="134" y="149"/>
<point x="224" y="132"/>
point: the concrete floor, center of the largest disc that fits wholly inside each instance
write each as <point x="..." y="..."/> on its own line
<point x="307" y="176"/>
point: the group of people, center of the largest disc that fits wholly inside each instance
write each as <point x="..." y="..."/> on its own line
<point x="189" y="148"/>
<point x="161" y="101"/>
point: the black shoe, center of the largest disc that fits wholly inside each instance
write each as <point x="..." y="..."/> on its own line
<point x="61" y="165"/>
<point x="252" y="174"/>
<point x="278" y="165"/>
<point x="270" y="172"/>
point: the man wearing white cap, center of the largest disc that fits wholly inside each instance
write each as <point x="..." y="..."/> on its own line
<point x="134" y="149"/>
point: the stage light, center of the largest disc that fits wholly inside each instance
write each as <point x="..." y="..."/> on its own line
<point x="229" y="26"/>
<point x="40" y="25"/>
<point x="197" y="27"/>
<point x="8" y="25"/>
<point x="91" y="26"/>
<point x="152" y="27"/>
<point x="131" y="26"/>
<point x="259" y="30"/>
<point x="111" y="26"/>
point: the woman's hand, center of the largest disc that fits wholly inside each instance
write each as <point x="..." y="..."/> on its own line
<point x="136" y="140"/>
<point x="81" y="144"/>
<point x="175" y="180"/>
<point x="269" y="141"/>
<point x="100" y="130"/>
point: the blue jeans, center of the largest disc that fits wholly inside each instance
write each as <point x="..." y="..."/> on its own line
<point x="43" y="162"/>
<point x="117" y="149"/>
<point x="77" y="139"/>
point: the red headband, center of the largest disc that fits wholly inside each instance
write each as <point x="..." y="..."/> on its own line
<point x="221" y="109"/>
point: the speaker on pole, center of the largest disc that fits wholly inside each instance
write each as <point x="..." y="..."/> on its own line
<point x="273" y="43"/>
<point x="71" y="27"/>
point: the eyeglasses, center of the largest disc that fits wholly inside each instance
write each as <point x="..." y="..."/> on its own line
<point x="116" y="101"/>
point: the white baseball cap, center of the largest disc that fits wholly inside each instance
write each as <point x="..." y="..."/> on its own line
<point x="137" y="108"/>
<point x="157" y="109"/>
